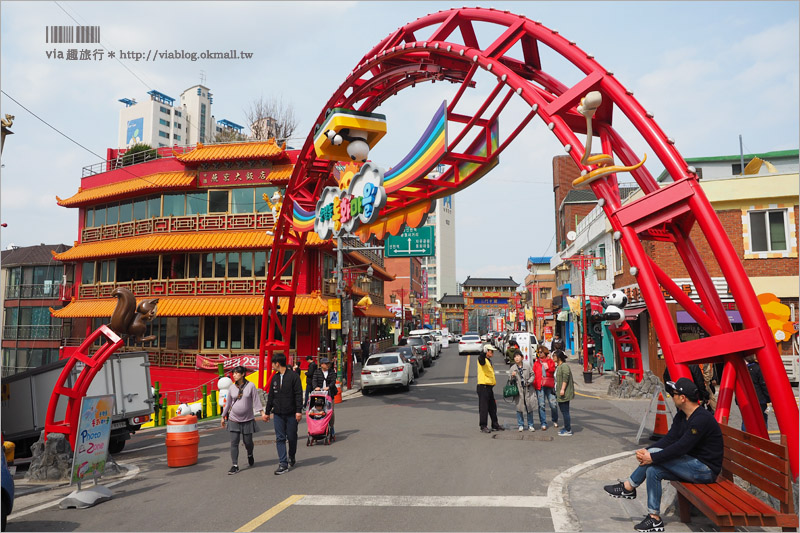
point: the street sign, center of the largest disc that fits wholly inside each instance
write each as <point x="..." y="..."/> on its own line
<point x="412" y="242"/>
<point x="334" y="313"/>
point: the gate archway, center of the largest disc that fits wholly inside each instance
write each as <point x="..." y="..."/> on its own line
<point x="452" y="52"/>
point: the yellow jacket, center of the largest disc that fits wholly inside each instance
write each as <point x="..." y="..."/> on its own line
<point x="485" y="372"/>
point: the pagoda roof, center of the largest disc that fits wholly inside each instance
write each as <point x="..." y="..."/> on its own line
<point x="490" y="282"/>
<point x="235" y="152"/>
<point x="150" y="183"/>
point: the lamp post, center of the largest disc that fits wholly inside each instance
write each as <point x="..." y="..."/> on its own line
<point x="582" y="262"/>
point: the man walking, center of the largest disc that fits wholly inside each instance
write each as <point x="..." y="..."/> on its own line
<point x="285" y="400"/>
<point x="312" y="367"/>
<point x="487" y="407"/>
<point x="691" y="451"/>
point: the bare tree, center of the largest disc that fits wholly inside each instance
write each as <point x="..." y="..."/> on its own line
<point x="271" y="118"/>
<point x="229" y="135"/>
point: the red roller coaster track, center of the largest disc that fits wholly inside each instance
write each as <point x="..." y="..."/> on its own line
<point x="452" y="53"/>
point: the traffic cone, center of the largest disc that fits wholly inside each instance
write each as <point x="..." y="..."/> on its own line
<point x="660" y="430"/>
<point x="338" y="397"/>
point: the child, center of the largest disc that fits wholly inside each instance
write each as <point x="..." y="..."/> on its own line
<point x="318" y="410"/>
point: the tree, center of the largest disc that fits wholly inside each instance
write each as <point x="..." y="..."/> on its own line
<point x="229" y="135"/>
<point x="145" y="151"/>
<point x="271" y="118"/>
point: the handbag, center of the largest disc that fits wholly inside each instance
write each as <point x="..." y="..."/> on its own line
<point x="511" y="390"/>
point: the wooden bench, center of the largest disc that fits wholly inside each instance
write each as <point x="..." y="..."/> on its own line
<point x="761" y="462"/>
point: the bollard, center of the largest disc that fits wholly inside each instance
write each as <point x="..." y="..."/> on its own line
<point x="164" y="412"/>
<point x="157" y="404"/>
<point x="205" y="401"/>
<point x="214" y="409"/>
<point x="182" y="441"/>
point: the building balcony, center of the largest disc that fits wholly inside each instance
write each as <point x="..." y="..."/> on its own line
<point x="47" y="291"/>
<point x="179" y="224"/>
<point x="180" y="287"/>
<point x="48" y="332"/>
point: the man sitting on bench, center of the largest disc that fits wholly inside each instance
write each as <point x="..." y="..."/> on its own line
<point x="691" y="451"/>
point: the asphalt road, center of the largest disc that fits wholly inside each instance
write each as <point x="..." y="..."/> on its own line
<point x="403" y="461"/>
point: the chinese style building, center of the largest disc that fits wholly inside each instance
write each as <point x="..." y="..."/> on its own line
<point x="488" y="299"/>
<point x="193" y="229"/>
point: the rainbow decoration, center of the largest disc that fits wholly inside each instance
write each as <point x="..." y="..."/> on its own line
<point x="302" y="220"/>
<point x="424" y="157"/>
<point x="469" y="170"/>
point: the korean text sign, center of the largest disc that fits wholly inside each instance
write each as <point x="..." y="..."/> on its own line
<point x="91" y="442"/>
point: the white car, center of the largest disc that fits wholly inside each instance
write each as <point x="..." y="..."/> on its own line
<point x="386" y="370"/>
<point x="470" y="344"/>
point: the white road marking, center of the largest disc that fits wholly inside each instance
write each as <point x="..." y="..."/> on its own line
<point x="425" y="501"/>
<point x="132" y="471"/>
<point x="560" y="511"/>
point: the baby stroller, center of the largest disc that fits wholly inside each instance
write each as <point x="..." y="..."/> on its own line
<point x="320" y="424"/>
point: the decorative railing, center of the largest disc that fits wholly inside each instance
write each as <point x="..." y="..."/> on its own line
<point x="180" y="287"/>
<point x="49" y="291"/>
<point x="46" y="332"/>
<point x="182" y="224"/>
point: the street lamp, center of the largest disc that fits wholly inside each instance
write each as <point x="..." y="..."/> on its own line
<point x="582" y="262"/>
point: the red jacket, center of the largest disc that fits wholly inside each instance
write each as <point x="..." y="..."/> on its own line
<point x="544" y="371"/>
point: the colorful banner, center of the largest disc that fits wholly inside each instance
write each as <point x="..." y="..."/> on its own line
<point x="596" y="304"/>
<point x="210" y="363"/>
<point x="91" y="441"/>
<point x="334" y="313"/>
<point x="548" y="333"/>
<point x="574" y="304"/>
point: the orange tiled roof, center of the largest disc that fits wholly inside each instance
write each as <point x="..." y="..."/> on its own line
<point x="232" y="151"/>
<point x="162" y="180"/>
<point x="175" y="242"/>
<point x="280" y="173"/>
<point x="306" y="305"/>
<point x="373" y="311"/>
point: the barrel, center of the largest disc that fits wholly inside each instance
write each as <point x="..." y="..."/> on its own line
<point x="182" y="441"/>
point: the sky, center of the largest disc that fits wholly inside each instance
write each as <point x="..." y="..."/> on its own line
<point x="708" y="71"/>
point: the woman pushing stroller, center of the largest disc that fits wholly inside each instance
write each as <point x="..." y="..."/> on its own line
<point x="325" y="380"/>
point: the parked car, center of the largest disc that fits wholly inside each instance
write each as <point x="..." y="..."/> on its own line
<point x="386" y="370"/>
<point x="421" y="345"/>
<point x="435" y="345"/>
<point x="411" y="356"/>
<point x="470" y="344"/>
<point x="8" y="492"/>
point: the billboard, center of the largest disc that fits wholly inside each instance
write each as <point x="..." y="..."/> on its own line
<point x="135" y="132"/>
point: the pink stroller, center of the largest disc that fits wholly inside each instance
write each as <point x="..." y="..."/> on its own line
<point x="319" y="417"/>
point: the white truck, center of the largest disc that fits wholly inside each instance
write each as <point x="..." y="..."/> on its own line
<point x="26" y="395"/>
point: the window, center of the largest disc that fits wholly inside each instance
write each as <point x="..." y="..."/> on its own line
<point x="108" y="271"/>
<point x="173" y="266"/>
<point x="164" y="109"/>
<point x="88" y="218"/>
<point x="233" y="265"/>
<point x="178" y="125"/>
<point x="140" y="210"/>
<point x="154" y="206"/>
<point x="125" y="212"/>
<point x="163" y="122"/>
<point x="260" y="263"/>
<point x="196" y="203"/>
<point x="112" y="214"/>
<point x="219" y="264"/>
<point x="176" y="137"/>
<point x="174" y="205"/>
<point x="194" y="265"/>
<point x="217" y="201"/>
<point x="189" y="333"/>
<point x="261" y="204"/>
<point x="242" y="200"/>
<point x="178" y="113"/>
<point x="246" y="265"/>
<point x="736" y="169"/>
<point x="87" y="273"/>
<point x="768" y="231"/>
<point x="222" y="333"/>
<point x="617" y="256"/>
<point x="163" y="134"/>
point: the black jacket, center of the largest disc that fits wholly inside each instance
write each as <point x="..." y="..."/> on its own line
<point x="320" y="381"/>
<point x="759" y="383"/>
<point x="312" y="368"/>
<point x="698" y="436"/>
<point x="286" y="399"/>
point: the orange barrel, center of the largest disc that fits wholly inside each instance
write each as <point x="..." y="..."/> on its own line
<point x="338" y="397"/>
<point x="182" y="441"/>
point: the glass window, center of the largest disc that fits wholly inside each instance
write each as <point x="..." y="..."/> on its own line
<point x="163" y="134"/>
<point x="767" y="231"/>
<point x="222" y="333"/>
<point x="207" y="270"/>
<point x="125" y="212"/>
<point x="217" y="201"/>
<point x="260" y="264"/>
<point x="777" y="230"/>
<point x="174" y="205"/>
<point x="88" y="218"/>
<point x="139" y="210"/>
<point x="189" y="333"/>
<point x="112" y="214"/>
<point x="233" y="264"/>
<point x="251" y="332"/>
<point x="196" y="203"/>
<point x="107" y="271"/>
<point x="163" y="122"/>
<point x="194" y="265"/>
<point x="162" y="331"/>
<point x="242" y="200"/>
<point x="236" y="333"/>
<point x="173" y="266"/>
<point x="12" y="316"/>
<point x="154" y="207"/>
<point x="261" y="204"/>
<point x="87" y="273"/>
<point x="219" y="265"/>
<point x="209" y="323"/>
<point x="247" y="265"/>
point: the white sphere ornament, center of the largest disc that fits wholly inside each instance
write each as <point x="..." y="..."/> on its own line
<point x="634" y="271"/>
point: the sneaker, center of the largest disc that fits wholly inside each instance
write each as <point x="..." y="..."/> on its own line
<point x="520" y="428"/>
<point x="498" y="428"/>
<point x="650" y="524"/>
<point x="282" y="469"/>
<point x="251" y="460"/>
<point x="531" y="429"/>
<point x="555" y="425"/>
<point x="618" y="491"/>
<point x="484" y="429"/>
<point x="564" y="433"/>
<point x="234" y="470"/>
<point x="544" y="427"/>
<point x="292" y="461"/>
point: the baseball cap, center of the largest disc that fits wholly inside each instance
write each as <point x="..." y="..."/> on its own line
<point x="487" y="347"/>
<point x="686" y="387"/>
<point x="324" y="360"/>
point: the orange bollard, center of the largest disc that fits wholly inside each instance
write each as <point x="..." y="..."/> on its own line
<point x="338" y="397"/>
<point x="182" y="441"/>
<point x="660" y="429"/>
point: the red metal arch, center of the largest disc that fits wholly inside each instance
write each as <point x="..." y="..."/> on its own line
<point x="665" y="213"/>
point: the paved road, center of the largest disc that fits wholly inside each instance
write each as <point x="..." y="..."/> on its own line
<point x="403" y="461"/>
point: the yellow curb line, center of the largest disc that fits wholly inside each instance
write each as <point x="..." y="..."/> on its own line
<point x="587" y="396"/>
<point x="254" y="523"/>
<point x="466" y="370"/>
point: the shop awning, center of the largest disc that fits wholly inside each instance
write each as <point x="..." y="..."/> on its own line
<point x="373" y="311"/>
<point x="307" y="305"/>
<point x="198" y="241"/>
<point x="683" y="317"/>
<point x="633" y="314"/>
<point x="150" y="183"/>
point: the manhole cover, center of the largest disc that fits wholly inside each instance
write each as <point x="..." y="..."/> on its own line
<point x="520" y="436"/>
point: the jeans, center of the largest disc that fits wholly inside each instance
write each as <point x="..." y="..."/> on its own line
<point x="521" y="418"/>
<point x="550" y="394"/>
<point x="564" y="407"/>
<point x="285" y="428"/>
<point x="683" y="468"/>
<point x="487" y="406"/>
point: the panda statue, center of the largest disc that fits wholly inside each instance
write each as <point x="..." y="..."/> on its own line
<point x="614" y="305"/>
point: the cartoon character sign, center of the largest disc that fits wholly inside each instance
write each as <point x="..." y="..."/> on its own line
<point x="339" y="210"/>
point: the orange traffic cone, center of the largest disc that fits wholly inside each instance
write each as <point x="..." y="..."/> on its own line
<point x="661" y="429"/>
<point x="338" y="397"/>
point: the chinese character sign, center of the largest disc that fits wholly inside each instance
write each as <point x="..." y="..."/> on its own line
<point x="345" y="211"/>
<point x="91" y="442"/>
